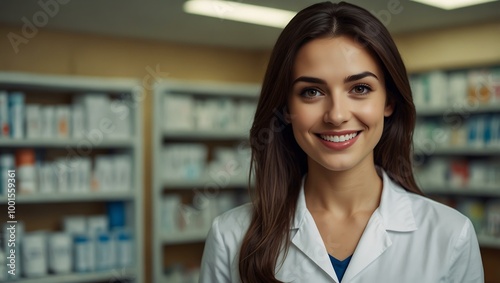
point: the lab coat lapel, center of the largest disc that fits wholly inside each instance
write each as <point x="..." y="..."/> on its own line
<point x="372" y="244"/>
<point x="393" y="214"/>
<point x="307" y="238"/>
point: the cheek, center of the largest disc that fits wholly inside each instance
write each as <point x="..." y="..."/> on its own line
<point x="370" y="114"/>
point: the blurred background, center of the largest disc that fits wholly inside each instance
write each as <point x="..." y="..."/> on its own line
<point x="125" y="124"/>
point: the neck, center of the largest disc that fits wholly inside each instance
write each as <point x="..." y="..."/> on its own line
<point x="343" y="193"/>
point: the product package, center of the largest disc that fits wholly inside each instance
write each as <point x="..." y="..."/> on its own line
<point x="63" y="121"/>
<point x="48" y="121"/>
<point x="124" y="248"/>
<point x="34" y="254"/>
<point x="75" y="224"/>
<point x="103" y="173"/>
<point x="4" y="115"/>
<point x="33" y="121"/>
<point x="26" y="171"/>
<point x="178" y="112"/>
<point x="122" y="166"/>
<point x="82" y="253"/>
<point x="6" y="163"/>
<point x="171" y="204"/>
<point x="17" y="114"/>
<point x="77" y="121"/>
<point x="60" y="252"/>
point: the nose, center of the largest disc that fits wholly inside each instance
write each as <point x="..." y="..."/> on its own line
<point x="337" y="110"/>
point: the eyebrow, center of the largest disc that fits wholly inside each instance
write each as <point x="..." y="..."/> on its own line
<point x="348" y="79"/>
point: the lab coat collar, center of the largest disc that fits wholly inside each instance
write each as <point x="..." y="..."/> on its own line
<point x="395" y="207"/>
<point x="393" y="214"/>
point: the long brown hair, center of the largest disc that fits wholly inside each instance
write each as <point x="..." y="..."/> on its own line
<point x="278" y="162"/>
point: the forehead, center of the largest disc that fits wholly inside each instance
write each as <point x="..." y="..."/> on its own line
<point x="329" y="56"/>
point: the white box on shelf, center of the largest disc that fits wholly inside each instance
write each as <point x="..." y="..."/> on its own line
<point x="82" y="255"/>
<point x="48" y="121"/>
<point x="60" y="251"/>
<point x="178" y="110"/>
<point x="27" y="179"/>
<point x="104" y="256"/>
<point x="17" y="114"/>
<point x="438" y="89"/>
<point x="96" y="112"/>
<point x="84" y="174"/>
<point x="46" y="177"/>
<point x="75" y="224"/>
<point x="77" y="121"/>
<point x="4" y="114"/>
<point x="104" y="173"/>
<point x="34" y="254"/>
<point x="457" y="85"/>
<point x="171" y="213"/>
<point x="124" y="250"/>
<point x="63" y="121"/>
<point x="418" y="92"/>
<point x="122" y="166"/>
<point x="62" y="173"/>
<point x="225" y="114"/>
<point x="33" y="121"/>
<point x="97" y="224"/>
<point x="6" y="163"/>
<point x="121" y="115"/>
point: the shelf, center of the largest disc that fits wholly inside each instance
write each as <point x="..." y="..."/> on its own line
<point x="466" y="191"/>
<point x="234" y="182"/>
<point x="66" y="83"/>
<point x="184" y="238"/>
<point x="61" y="89"/>
<point x="466" y="151"/>
<point x="115" y="275"/>
<point x="61" y="143"/>
<point x="489" y="241"/>
<point x="204" y="135"/>
<point x="71" y="197"/>
<point x="458" y="110"/>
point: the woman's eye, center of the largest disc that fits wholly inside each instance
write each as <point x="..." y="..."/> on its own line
<point x="361" y="89"/>
<point x="310" y="93"/>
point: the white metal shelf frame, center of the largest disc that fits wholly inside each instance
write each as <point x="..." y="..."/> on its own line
<point x="197" y="89"/>
<point x="133" y="146"/>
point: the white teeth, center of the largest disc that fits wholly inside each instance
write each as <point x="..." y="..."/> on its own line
<point x="342" y="138"/>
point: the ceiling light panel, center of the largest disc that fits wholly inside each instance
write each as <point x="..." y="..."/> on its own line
<point x="235" y="11"/>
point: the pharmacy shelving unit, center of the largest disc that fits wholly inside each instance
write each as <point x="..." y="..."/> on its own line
<point x="162" y="185"/>
<point x="65" y="87"/>
<point x="437" y="150"/>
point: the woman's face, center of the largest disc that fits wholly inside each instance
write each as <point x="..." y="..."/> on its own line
<point x="338" y="103"/>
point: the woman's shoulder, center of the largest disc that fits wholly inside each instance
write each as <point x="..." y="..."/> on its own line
<point x="234" y="223"/>
<point x="428" y="212"/>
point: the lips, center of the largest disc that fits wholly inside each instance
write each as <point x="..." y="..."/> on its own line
<point x="339" y="140"/>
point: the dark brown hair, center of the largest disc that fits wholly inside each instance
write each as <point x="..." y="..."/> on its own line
<point x="278" y="162"/>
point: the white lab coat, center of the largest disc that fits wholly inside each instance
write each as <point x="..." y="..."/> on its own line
<point x="408" y="239"/>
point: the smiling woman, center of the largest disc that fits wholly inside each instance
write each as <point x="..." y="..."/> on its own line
<point x="336" y="199"/>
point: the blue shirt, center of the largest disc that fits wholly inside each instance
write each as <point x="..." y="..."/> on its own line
<point x="340" y="266"/>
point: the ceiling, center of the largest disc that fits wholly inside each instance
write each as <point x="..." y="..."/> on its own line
<point x="164" y="19"/>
